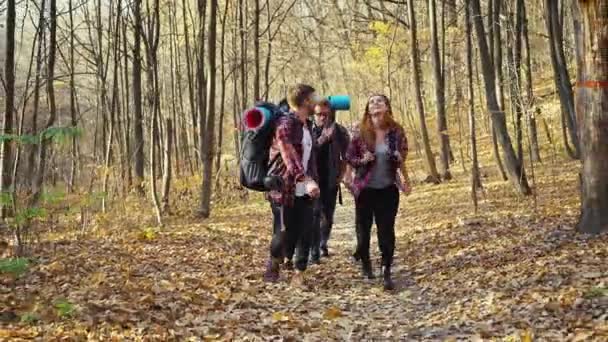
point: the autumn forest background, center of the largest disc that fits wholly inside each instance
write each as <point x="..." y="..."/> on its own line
<point x="122" y="212"/>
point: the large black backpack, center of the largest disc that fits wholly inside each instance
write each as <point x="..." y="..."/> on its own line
<point x="255" y="162"/>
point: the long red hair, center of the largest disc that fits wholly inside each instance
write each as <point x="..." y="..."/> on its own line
<point x="366" y="127"/>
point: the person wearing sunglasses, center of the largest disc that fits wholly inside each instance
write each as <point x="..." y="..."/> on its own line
<point x="332" y="140"/>
<point x="377" y="154"/>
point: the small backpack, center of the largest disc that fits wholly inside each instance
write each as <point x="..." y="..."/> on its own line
<point x="258" y="126"/>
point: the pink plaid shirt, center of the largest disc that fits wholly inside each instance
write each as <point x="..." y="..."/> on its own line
<point x="395" y="140"/>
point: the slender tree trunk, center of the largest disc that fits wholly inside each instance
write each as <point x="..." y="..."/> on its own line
<point x="220" y="139"/>
<point x="532" y="127"/>
<point x="113" y="108"/>
<point x="200" y="77"/>
<point x="515" y="42"/>
<point x="243" y="62"/>
<point x="191" y="80"/>
<point x="154" y="102"/>
<point x="73" y="162"/>
<point x="475" y="178"/>
<point x="44" y="141"/>
<point x="236" y="107"/>
<point x="167" y="164"/>
<point x="517" y="177"/>
<point x="497" y="59"/>
<point x="31" y="160"/>
<point x="442" y="125"/>
<point x="138" y="124"/>
<point x="433" y="176"/>
<point x="15" y="179"/>
<point x="127" y="106"/>
<point x="268" y="55"/>
<point x="562" y="77"/>
<point x="9" y="72"/>
<point x="210" y="125"/>
<point x="256" y="50"/>
<point x="592" y="110"/>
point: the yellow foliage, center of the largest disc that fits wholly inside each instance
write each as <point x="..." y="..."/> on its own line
<point x="380" y="27"/>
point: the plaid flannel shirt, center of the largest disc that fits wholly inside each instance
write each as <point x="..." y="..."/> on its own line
<point x="287" y="144"/>
<point x="395" y="140"/>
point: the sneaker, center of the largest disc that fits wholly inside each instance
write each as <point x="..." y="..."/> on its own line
<point x="272" y="271"/>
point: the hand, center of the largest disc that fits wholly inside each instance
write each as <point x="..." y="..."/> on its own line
<point x="406" y="187"/>
<point x="326" y="135"/>
<point x="312" y="189"/>
<point x="368" y="157"/>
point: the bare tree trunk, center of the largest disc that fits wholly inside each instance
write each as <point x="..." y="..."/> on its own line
<point x="516" y="174"/>
<point x="497" y="59"/>
<point x="532" y="127"/>
<point x="127" y="106"/>
<point x="592" y="110"/>
<point x="154" y="100"/>
<point x="223" y="88"/>
<point x="191" y="80"/>
<point x="433" y="176"/>
<point x="44" y="141"/>
<point x="514" y="44"/>
<point x="138" y="128"/>
<point x="256" y="50"/>
<point x="113" y="109"/>
<point x="243" y="64"/>
<point x="475" y="178"/>
<point x="7" y="128"/>
<point x="200" y="78"/>
<point x="167" y="164"/>
<point x="31" y="159"/>
<point x="236" y="107"/>
<point x="442" y="125"/>
<point x="15" y="179"/>
<point x="562" y="77"/>
<point x="210" y="125"/>
<point x="73" y="162"/>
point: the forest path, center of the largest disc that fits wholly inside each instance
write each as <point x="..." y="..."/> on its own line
<point x="513" y="271"/>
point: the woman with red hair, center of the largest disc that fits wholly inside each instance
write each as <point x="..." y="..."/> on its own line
<point x="377" y="154"/>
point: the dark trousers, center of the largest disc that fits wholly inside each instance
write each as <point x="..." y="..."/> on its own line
<point x="380" y="205"/>
<point x="298" y="220"/>
<point x="324" y="219"/>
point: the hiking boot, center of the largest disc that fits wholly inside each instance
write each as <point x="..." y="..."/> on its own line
<point x="389" y="285"/>
<point x="272" y="271"/>
<point x="289" y="265"/>
<point x="366" y="270"/>
<point x="356" y="256"/>
<point x="324" y="252"/>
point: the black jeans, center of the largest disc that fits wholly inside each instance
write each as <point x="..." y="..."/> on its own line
<point x="380" y="205"/>
<point x="324" y="219"/>
<point x="298" y="220"/>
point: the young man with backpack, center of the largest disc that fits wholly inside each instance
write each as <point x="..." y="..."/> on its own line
<point x="293" y="162"/>
<point x="332" y="142"/>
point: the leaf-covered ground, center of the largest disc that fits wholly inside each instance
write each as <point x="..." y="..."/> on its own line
<point x="517" y="271"/>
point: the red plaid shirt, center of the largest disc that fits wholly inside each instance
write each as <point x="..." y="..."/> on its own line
<point x="287" y="144"/>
